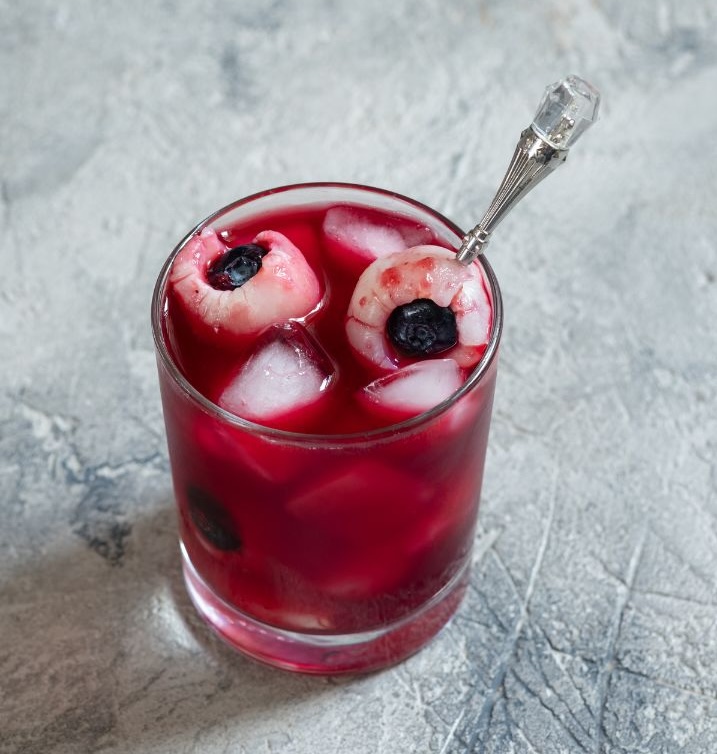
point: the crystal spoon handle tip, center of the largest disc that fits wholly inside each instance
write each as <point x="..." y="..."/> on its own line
<point x="568" y="108"/>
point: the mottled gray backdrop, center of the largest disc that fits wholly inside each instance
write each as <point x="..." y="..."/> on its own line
<point x="591" y="622"/>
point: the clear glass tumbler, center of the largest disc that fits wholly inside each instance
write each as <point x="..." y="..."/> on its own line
<point x="326" y="553"/>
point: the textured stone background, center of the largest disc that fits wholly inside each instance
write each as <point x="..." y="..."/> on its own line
<point x="591" y="624"/>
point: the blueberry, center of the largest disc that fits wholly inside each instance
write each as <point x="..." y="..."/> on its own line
<point x="235" y="267"/>
<point x="422" y="328"/>
<point x="212" y="520"/>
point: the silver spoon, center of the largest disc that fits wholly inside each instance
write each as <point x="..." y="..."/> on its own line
<point x="568" y="108"/>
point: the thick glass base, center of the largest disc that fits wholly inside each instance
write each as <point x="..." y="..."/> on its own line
<point x="325" y="654"/>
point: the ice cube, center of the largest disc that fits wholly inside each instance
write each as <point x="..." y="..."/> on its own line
<point x="356" y="236"/>
<point x="368" y="574"/>
<point x="356" y="516"/>
<point x="359" y="500"/>
<point x="255" y="454"/>
<point x="288" y="372"/>
<point x="413" y="389"/>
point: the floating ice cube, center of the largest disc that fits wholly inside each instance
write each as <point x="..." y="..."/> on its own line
<point x="357" y="236"/>
<point x="287" y="372"/>
<point x="415" y="388"/>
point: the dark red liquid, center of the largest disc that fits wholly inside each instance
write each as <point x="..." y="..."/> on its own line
<point x="210" y="368"/>
<point x="313" y="535"/>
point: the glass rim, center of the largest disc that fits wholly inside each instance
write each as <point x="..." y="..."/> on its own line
<point x="472" y="381"/>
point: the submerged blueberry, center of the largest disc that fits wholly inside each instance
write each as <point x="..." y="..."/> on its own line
<point x="235" y="267"/>
<point x="212" y="520"/>
<point x="422" y="328"/>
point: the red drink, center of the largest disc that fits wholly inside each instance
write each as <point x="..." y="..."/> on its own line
<point x="327" y="503"/>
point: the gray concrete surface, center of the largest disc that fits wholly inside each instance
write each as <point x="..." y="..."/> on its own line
<point x="591" y="624"/>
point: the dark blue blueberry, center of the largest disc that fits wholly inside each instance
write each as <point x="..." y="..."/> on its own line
<point x="212" y="520"/>
<point x="422" y="328"/>
<point x="235" y="267"/>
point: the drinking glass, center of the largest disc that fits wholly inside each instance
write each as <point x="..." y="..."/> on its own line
<point x="326" y="553"/>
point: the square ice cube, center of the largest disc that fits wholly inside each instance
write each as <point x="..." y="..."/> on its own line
<point x="287" y="372"/>
<point x="355" y="236"/>
<point x="413" y="389"/>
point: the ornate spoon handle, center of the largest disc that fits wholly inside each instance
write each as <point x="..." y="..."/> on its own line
<point x="568" y="108"/>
